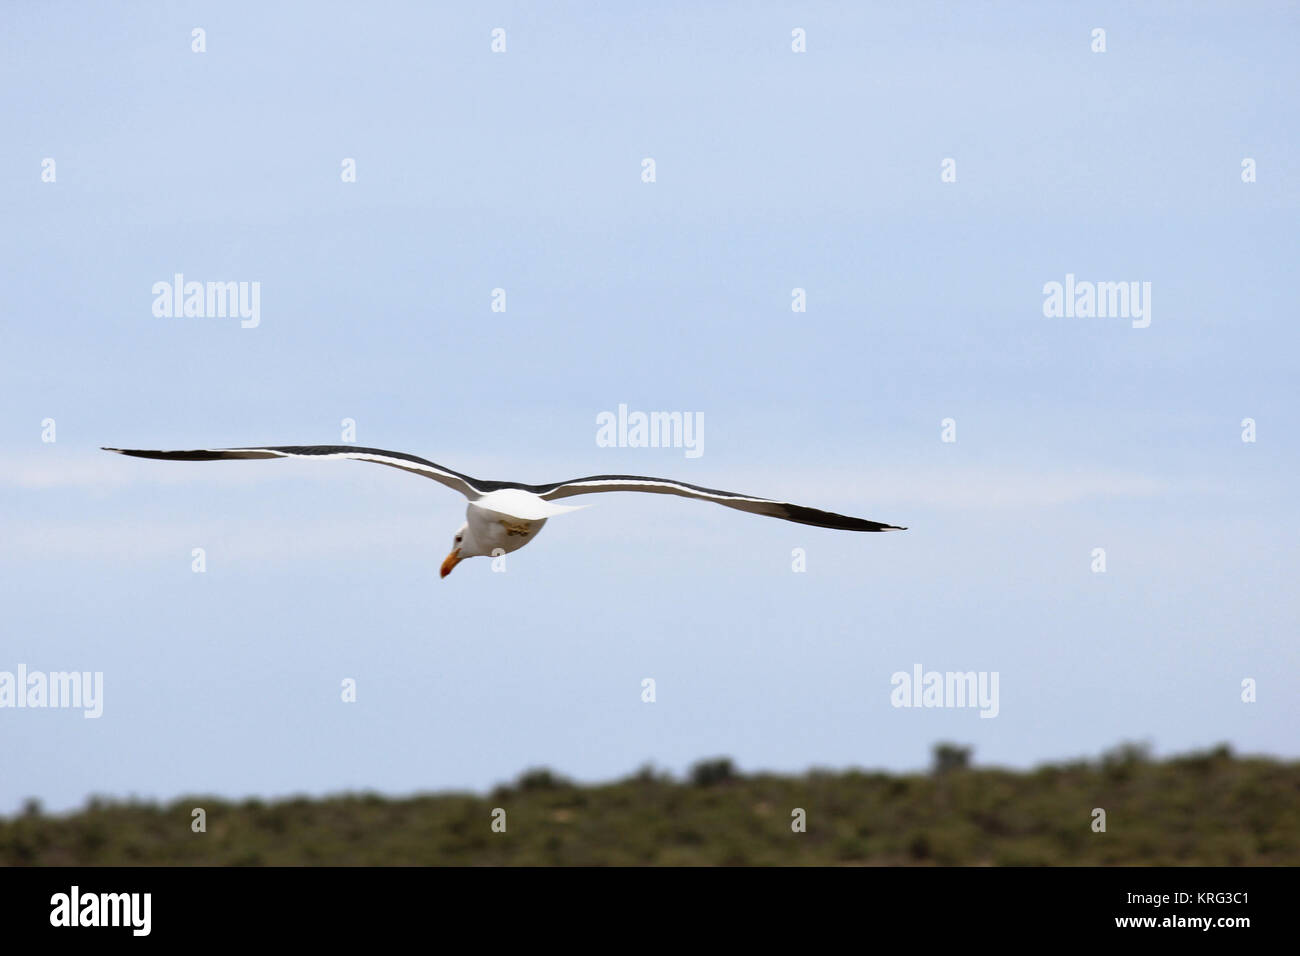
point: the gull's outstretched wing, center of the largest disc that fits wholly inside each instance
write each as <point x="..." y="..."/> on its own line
<point x="665" y="486"/>
<point x="395" y="459"/>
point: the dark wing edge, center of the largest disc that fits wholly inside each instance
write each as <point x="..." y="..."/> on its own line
<point x="663" y="486"/>
<point x="394" y="459"/>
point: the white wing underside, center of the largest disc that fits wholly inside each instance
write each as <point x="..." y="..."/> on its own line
<point x="516" y="503"/>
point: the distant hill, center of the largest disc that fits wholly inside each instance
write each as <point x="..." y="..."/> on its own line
<point x="1210" y="808"/>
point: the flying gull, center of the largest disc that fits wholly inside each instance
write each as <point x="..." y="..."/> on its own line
<point x="503" y="516"/>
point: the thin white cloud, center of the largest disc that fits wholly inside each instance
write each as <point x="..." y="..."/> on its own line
<point x="126" y="540"/>
<point x="977" y="488"/>
<point x="105" y="470"/>
<point x="962" y="486"/>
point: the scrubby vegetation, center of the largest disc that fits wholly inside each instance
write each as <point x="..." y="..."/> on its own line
<point x="1210" y="808"/>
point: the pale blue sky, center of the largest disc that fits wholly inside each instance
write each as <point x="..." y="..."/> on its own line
<point x="522" y="171"/>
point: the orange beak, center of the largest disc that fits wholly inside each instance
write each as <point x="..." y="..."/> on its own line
<point x="453" y="559"/>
